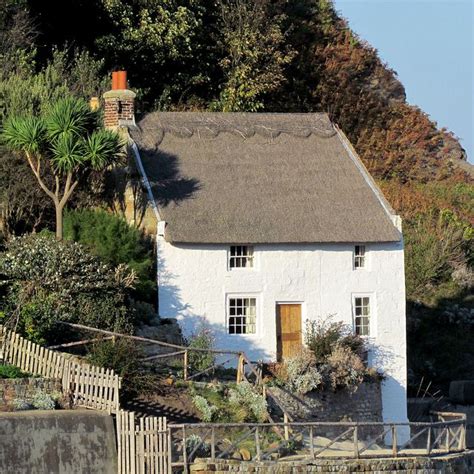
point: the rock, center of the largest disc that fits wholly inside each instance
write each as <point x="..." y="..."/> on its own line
<point x="245" y="454"/>
<point x="169" y="333"/>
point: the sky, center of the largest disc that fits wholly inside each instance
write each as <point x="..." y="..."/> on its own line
<point x="430" y="44"/>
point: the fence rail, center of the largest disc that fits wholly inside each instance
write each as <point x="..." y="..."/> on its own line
<point x="86" y="385"/>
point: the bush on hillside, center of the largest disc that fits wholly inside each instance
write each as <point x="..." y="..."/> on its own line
<point x="345" y="369"/>
<point x="229" y="403"/>
<point x="247" y="403"/>
<point x="48" y="281"/>
<point x="111" y="238"/>
<point x="201" y="360"/>
<point x="12" y="372"/>
<point x="300" y="373"/>
<point x="322" y="336"/>
<point x="436" y="245"/>
<point x="123" y="356"/>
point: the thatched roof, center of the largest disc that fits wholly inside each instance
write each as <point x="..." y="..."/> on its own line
<point x="259" y="178"/>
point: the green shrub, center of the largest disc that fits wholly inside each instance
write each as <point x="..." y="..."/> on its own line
<point x="11" y="372"/>
<point x="247" y="404"/>
<point x="345" y="369"/>
<point x="20" y="405"/>
<point x="229" y="403"/>
<point x="202" y="339"/>
<point x="436" y="245"/>
<point x="43" y="401"/>
<point x="299" y="373"/>
<point x="205" y="409"/>
<point x="322" y="336"/>
<point x="123" y="356"/>
<point x="111" y="238"/>
<point x="47" y="281"/>
<point x="196" y="447"/>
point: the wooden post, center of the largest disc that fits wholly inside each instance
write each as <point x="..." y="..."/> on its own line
<point x="170" y="451"/>
<point x="240" y="368"/>
<point x="428" y="442"/>
<point x="185" y="365"/>
<point x="356" y="442"/>
<point x="213" y="444"/>
<point x="185" y="451"/>
<point x="257" y="444"/>
<point x="287" y="430"/>
<point x="447" y="438"/>
<point x="394" y="441"/>
<point x="311" y="441"/>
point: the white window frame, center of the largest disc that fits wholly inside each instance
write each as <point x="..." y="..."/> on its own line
<point x="371" y="315"/>
<point x="355" y="257"/>
<point x="230" y="257"/>
<point x="228" y="315"/>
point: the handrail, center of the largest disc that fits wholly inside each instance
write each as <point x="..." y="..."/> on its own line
<point x="319" y="423"/>
<point x="146" y="339"/>
<point x="450" y="437"/>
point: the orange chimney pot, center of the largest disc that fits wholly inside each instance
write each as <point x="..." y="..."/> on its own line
<point x="119" y="80"/>
<point x="114" y="80"/>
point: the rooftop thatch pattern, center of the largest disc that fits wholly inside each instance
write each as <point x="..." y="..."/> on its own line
<point x="258" y="178"/>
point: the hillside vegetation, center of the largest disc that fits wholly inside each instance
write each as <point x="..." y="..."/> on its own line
<point x="263" y="55"/>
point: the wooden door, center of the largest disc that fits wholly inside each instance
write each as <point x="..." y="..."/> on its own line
<point x="288" y="330"/>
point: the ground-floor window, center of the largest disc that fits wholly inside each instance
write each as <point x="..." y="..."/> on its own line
<point x="361" y="309"/>
<point x="242" y="315"/>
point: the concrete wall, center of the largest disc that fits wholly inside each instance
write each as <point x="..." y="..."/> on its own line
<point x="195" y="282"/>
<point x="63" y="442"/>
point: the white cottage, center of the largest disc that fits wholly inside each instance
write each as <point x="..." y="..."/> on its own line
<point x="267" y="220"/>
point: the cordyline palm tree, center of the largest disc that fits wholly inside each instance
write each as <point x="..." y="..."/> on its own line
<point x="66" y="141"/>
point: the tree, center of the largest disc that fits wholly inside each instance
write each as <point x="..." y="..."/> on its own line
<point x="116" y="242"/>
<point x="65" y="142"/>
<point x="160" y="42"/>
<point x="255" y="54"/>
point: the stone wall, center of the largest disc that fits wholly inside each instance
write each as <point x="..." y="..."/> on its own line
<point x="61" y="441"/>
<point x="365" y="404"/>
<point x="455" y="463"/>
<point x="25" y="389"/>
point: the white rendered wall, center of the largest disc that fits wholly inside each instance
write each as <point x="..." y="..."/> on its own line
<point x="194" y="284"/>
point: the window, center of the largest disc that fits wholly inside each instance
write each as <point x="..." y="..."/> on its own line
<point x="362" y="315"/>
<point x="242" y="315"/>
<point x="241" y="256"/>
<point x="359" y="256"/>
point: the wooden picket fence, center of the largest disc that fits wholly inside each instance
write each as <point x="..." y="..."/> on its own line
<point x="142" y="444"/>
<point x="87" y="385"/>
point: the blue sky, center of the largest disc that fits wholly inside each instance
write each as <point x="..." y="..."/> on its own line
<point x="430" y="44"/>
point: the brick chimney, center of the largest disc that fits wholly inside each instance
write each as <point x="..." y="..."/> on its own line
<point x="119" y="107"/>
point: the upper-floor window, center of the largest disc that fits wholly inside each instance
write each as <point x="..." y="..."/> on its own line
<point x="242" y="315"/>
<point x="241" y="256"/>
<point x="359" y="257"/>
<point x="361" y="308"/>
